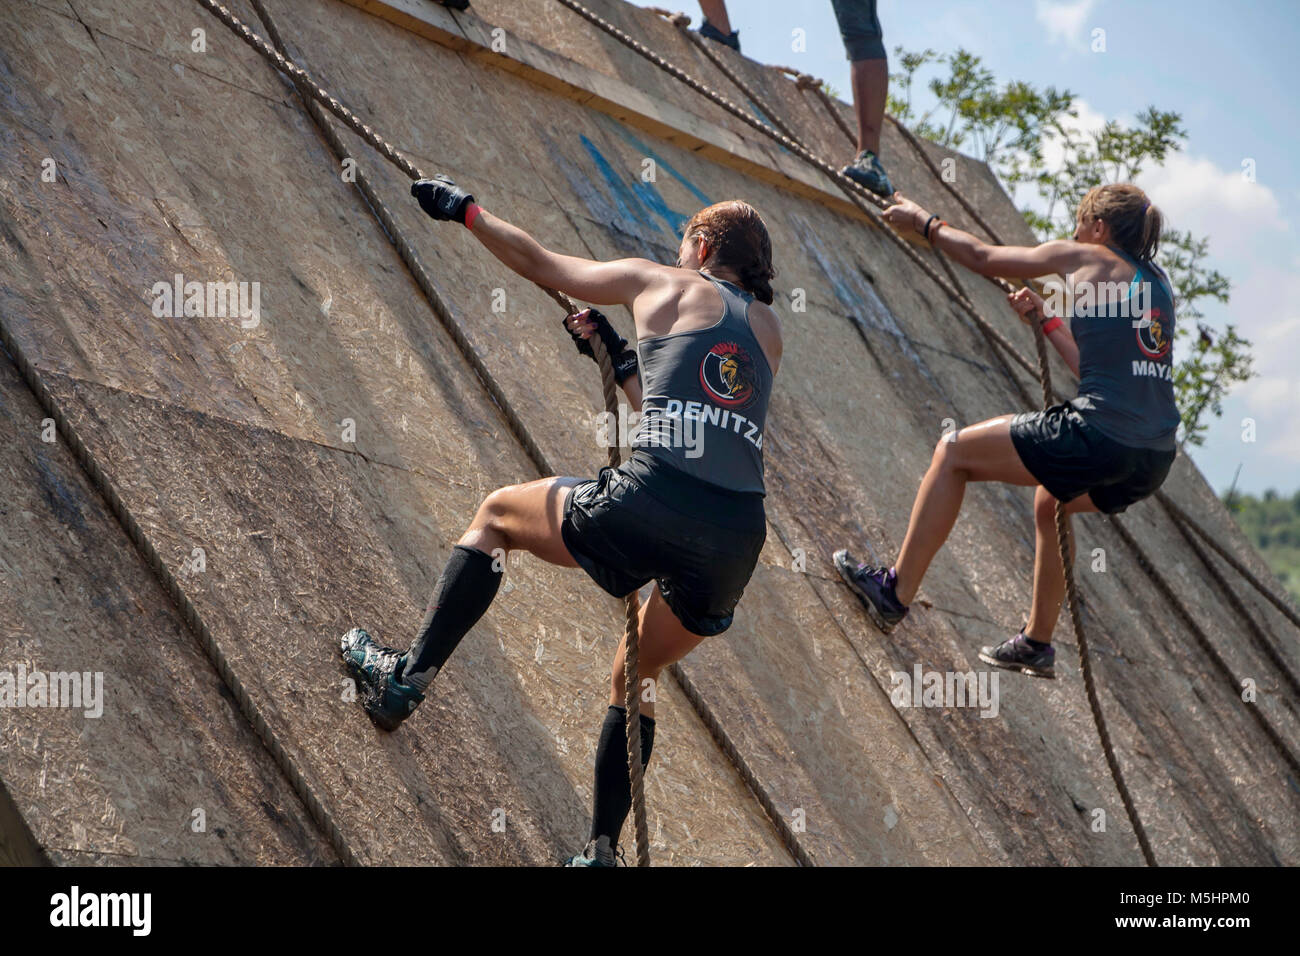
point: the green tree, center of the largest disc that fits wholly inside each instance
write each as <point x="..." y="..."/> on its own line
<point x="1010" y="127"/>
<point x="1272" y="524"/>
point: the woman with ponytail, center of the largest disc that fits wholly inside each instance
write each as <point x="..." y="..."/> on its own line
<point x="685" y="510"/>
<point x="1109" y="447"/>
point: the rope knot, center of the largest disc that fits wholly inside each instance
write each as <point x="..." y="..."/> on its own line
<point x="679" y="20"/>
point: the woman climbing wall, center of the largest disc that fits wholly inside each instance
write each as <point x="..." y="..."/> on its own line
<point x="1108" y="448"/>
<point x="686" y="510"/>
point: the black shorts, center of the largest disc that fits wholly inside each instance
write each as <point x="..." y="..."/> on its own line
<point x="1069" y="458"/>
<point x="646" y="521"/>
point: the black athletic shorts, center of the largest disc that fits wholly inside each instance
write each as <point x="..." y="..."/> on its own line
<point x="1069" y="458"/>
<point x="648" y="521"/>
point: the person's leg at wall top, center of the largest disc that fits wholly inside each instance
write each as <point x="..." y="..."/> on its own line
<point x="717" y="25"/>
<point x="864" y="43"/>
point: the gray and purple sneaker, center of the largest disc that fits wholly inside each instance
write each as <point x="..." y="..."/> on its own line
<point x="875" y="589"/>
<point x="1017" y="654"/>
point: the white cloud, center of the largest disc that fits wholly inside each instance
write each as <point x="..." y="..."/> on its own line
<point x="1264" y="395"/>
<point x="1195" y="194"/>
<point x="1064" y="22"/>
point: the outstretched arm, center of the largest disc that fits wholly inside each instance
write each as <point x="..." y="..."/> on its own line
<point x="605" y="283"/>
<point x="1059" y="256"/>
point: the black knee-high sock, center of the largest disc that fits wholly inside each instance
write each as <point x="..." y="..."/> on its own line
<point x="466" y="588"/>
<point x="613" y="797"/>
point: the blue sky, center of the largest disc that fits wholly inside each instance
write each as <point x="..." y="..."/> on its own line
<point x="1232" y="71"/>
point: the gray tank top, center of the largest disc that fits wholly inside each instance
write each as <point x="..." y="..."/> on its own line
<point x="704" y="397"/>
<point x="1126" y="362"/>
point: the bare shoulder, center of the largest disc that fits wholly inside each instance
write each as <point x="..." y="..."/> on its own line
<point x="648" y="269"/>
<point x="766" y="326"/>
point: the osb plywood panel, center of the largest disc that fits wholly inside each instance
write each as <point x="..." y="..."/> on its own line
<point x="168" y="740"/>
<point x="256" y="500"/>
<point x="232" y="439"/>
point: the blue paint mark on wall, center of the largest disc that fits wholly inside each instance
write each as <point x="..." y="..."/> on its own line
<point x="663" y="164"/>
<point x="639" y="201"/>
<point x="628" y="205"/>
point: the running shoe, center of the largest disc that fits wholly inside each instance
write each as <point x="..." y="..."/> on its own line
<point x="385" y="698"/>
<point x="598" y="852"/>
<point x="874" y="587"/>
<point x="709" y="31"/>
<point x="867" y="171"/>
<point x="1017" y="654"/>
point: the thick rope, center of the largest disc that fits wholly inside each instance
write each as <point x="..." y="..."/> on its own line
<point x="1182" y="517"/>
<point x="188" y="612"/>
<point x="720" y="736"/>
<point x="805" y="81"/>
<point x="866" y="201"/>
<point x="1065" y="547"/>
<point x="856" y="192"/>
<point x="1242" y="612"/>
<point x="316" y="96"/>
<point x="1203" y="641"/>
<point x="1003" y="350"/>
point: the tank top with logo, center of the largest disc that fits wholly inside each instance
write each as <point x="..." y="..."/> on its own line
<point x="1126" y="362"/>
<point x="704" y="398"/>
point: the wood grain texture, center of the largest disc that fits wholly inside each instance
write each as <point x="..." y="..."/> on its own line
<point x="231" y="439"/>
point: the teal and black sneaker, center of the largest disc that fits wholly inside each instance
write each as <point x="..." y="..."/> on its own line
<point x="598" y="852"/>
<point x="1017" y="654"/>
<point x="386" y="699"/>
<point x="867" y="171"/>
<point x="709" y="31"/>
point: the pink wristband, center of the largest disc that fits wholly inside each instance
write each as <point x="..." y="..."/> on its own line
<point x="471" y="213"/>
<point x="1052" y="325"/>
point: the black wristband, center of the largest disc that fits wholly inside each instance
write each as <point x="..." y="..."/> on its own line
<point x="625" y="365"/>
<point x="928" y="223"/>
<point x="615" y="344"/>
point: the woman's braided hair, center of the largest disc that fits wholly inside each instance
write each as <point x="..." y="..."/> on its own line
<point x="738" y="240"/>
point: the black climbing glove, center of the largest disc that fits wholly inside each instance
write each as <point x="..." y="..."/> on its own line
<point x="441" y="198"/>
<point x="622" y="357"/>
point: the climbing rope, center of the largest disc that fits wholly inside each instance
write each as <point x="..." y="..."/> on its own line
<point x="1184" y="518"/>
<point x="805" y="81"/>
<point x="1044" y="375"/>
<point x="314" y="93"/>
<point x="1065" y="547"/>
<point x="855" y="193"/>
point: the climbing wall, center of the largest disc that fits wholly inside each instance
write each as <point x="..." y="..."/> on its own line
<point x="311" y="472"/>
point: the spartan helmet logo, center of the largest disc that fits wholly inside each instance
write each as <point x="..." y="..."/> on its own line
<point x="727" y="375"/>
<point x="1151" y="336"/>
<point x="731" y="373"/>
